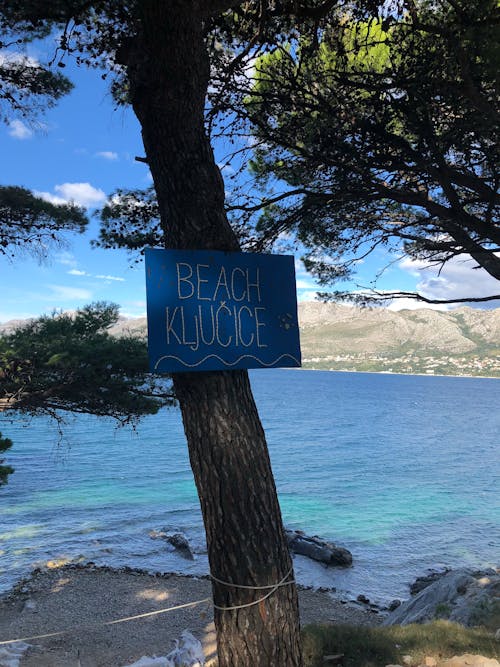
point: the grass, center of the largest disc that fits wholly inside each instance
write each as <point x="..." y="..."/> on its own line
<point x="377" y="647"/>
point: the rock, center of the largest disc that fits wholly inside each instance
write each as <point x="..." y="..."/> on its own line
<point x="468" y="660"/>
<point x="363" y="599"/>
<point x="497" y="635"/>
<point x="394" y="605"/>
<point x="430" y="661"/>
<point x="30" y="605"/>
<point x="317" y="549"/>
<point x="462" y="596"/>
<point x="177" y="540"/>
<point x="426" y="580"/>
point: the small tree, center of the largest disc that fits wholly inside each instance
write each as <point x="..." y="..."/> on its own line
<point x="71" y="363"/>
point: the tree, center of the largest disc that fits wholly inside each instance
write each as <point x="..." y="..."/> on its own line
<point x="26" y="86"/>
<point x="160" y="52"/>
<point x="30" y="224"/>
<point x="380" y="132"/>
<point x="71" y="363"/>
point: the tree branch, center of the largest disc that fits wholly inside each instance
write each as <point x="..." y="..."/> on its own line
<point x="420" y="297"/>
<point x="267" y="202"/>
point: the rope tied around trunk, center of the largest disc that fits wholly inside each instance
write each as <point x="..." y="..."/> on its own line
<point x="273" y="587"/>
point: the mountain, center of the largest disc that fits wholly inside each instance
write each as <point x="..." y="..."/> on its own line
<point x="465" y="341"/>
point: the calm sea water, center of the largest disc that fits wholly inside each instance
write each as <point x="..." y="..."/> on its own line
<point x="402" y="470"/>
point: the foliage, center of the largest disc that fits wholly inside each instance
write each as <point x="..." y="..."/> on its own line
<point x="130" y="219"/>
<point x="71" y="362"/>
<point x="5" y="471"/>
<point x="382" y="133"/>
<point x="26" y="85"/>
<point x="31" y="224"/>
<point x="380" y="646"/>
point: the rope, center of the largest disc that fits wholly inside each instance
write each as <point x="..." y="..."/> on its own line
<point x="273" y="587"/>
<point x="79" y="628"/>
<point x="257" y="588"/>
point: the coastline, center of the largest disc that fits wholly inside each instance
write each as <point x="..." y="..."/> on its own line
<point x="95" y="604"/>
<point x="424" y="375"/>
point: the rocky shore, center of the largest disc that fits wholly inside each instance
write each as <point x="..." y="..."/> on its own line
<point x="465" y="596"/>
<point x="94" y="616"/>
<point x="84" y="599"/>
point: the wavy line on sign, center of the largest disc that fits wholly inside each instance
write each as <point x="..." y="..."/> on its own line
<point x="216" y="356"/>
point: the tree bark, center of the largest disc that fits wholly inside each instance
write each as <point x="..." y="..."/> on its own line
<point x="168" y="69"/>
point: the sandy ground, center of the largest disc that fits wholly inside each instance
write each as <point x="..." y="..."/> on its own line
<point x="83" y="600"/>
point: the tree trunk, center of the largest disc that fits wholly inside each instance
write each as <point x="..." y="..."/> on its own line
<point x="168" y="69"/>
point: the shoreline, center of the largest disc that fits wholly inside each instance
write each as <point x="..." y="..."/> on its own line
<point x="423" y="375"/>
<point x="97" y="605"/>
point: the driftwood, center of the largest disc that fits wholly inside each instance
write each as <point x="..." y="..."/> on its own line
<point x="318" y="549"/>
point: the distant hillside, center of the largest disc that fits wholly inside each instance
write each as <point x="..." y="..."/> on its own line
<point x="464" y="341"/>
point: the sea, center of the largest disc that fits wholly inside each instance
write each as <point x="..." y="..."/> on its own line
<point x="404" y="471"/>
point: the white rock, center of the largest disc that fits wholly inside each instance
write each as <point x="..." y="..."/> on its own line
<point x="11" y="654"/>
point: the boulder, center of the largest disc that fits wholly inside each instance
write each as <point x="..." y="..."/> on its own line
<point x="177" y="540"/>
<point x="317" y="549"/>
<point x="463" y="596"/>
<point x="181" y="544"/>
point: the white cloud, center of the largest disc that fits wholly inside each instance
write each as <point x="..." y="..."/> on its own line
<point x="306" y="284"/>
<point x="8" y="57"/>
<point x="458" y="279"/>
<point x="66" y="259"/>
<point x="413" y="304"/>
<point x="122" y="280"/>
<point x="19" y="130"/>
<point x="65" y="293"/>
<point x="82" y="194"/>
<point x="78" y="272"/>
<point x="53" y="199"/>
<point x="107" y="155"/>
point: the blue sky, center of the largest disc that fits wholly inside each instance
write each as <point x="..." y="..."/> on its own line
<point x="82" y="150"/>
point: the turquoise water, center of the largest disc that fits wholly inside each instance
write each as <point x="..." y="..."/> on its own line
<point x="402" y="470"/>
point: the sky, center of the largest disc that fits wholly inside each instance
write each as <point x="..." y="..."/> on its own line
<point x="82" y="151"/>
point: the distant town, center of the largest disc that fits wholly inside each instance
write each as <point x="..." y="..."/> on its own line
<point x="408" y="364"/>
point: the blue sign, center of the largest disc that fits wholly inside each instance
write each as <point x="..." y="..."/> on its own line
<point x="211" y="310"/>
